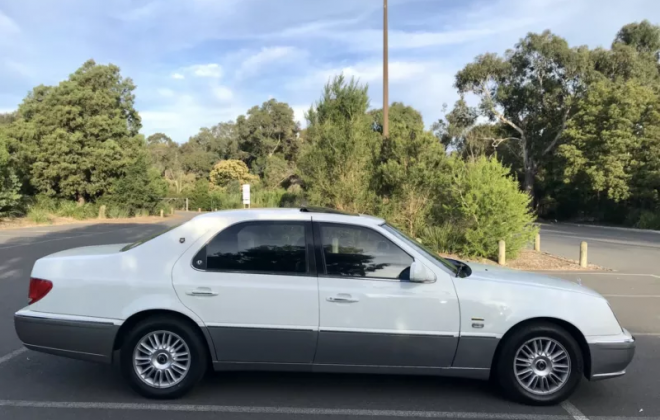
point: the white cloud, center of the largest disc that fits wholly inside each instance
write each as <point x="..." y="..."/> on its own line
<point x="222" y="93"/>
<point x="8" y="25"/>
<point x="184" y="117"/>
<point x="366" y="72"/>
<point x="213" y="70"/>
<point x="267" y="55"/>
<point x="178" y="76"/>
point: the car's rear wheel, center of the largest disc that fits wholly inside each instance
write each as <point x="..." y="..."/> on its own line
<point x="163" y="357"/>
<point x="539" y="364"/>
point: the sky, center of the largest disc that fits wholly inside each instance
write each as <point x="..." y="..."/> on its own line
<point x="199" y="62"/>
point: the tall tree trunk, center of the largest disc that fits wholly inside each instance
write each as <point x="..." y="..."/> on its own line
<point x="528" y="180"/>
<point x="529" y="171"/>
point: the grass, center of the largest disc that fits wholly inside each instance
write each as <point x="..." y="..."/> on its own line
<point x="39" y="216"/>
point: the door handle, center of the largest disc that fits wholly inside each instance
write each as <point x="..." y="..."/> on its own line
<point x="342" y="298"/>
<point x="202" y="291"/>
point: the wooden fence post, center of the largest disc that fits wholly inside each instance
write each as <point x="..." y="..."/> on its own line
<point x="537" y="243"/>
<point x="501" y="255"/>
<point x="583" y="254"/>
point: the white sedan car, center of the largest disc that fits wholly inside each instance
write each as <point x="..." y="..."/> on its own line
<point x="315" y="290"/>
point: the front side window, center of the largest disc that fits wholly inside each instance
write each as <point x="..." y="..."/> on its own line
<point x="355" y="251"/>
<point x="262" y="247"/>
<point x="421" y="248"/>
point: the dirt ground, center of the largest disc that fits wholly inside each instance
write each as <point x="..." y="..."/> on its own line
<point x="25" y="222"/>
<point x="530" y="260"/>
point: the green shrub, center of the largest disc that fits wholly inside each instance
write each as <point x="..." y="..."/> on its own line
<point x="66" y="209"/>
<point x="292" y="199"/>
<point x="140" y="188"/>
<point x="10" y="184"/>
<point x="267" y="198"/>
<point x="648" y="220"/>
<point x="484" y="204"/>
<point x="75" y="210"/>
<point x="38" y="215"/>
<point x="45" y="203"/>
<point x="118" y="212"/>
<point x="444" y="238"/>
<point x="222" y="200"/>
<point x="162" y="205"/>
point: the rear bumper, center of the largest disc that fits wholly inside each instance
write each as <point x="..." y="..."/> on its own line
<point x="83" y="340"/>
<point x="611" y="356"/>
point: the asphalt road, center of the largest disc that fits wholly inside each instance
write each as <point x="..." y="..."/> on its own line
<point x="34" y="385"/>
<point x="624" y="250"/>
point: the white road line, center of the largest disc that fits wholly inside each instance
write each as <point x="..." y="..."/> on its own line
<point x="633" y="296"/>
<point x="310" y="411"/>
<point x="644" y="244"/>
<point x="11" y="355"/>
<point x="573" y="411"/>
<point x="279" y="410"/>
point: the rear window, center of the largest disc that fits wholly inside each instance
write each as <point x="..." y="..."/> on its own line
<point x="148" y="238"/>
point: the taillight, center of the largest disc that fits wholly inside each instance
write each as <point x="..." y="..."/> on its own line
<point x="38" y="289"/>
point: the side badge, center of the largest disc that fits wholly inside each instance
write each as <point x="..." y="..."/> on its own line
<point x="477" y="322"/>
<point x="182" y="240"/>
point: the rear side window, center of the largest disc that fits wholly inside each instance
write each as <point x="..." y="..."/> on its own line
<point x="258" y="247"/>
<point x="355" y="251"/>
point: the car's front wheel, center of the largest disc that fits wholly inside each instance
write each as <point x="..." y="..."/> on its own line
<point x="540" y="364"/>
<point x="163" y="357"/>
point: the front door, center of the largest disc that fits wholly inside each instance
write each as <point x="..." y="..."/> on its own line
<point x="254" y="284"/>
<point x="371" y="315"/>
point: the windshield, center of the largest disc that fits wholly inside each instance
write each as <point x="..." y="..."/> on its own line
<point x="148" y="238"/>
<point x="421" y="248"/>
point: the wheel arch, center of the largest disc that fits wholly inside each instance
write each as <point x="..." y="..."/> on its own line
<point x="137" y="317"/>
<point x="570" y="328"/>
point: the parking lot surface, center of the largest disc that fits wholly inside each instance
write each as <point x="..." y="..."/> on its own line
<point x="40" y="386"/>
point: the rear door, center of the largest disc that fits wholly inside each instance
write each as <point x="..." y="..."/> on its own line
<point x="254" y="284"/>
<point x="371" y="315"/>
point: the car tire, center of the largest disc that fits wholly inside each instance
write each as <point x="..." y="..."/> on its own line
<point x="166" y="372"/>
<point x="554" y="381"/>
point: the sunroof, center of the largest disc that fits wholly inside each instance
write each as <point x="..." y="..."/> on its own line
<point x="313" y="209"/>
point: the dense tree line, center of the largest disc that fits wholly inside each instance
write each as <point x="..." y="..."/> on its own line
<point x="564" y="131"/>
<point x="579" y="127"/>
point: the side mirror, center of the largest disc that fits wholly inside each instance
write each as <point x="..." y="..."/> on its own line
<point x="419" y="273"/>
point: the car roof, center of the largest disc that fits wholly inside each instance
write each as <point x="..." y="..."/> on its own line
<point x="304" y="213"/>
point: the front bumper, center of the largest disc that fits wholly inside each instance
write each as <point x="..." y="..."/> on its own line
<point x="610" y="356"/>
<point x="76" y="339"/>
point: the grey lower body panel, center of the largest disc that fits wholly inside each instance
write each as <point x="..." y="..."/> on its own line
<point x="264" y="345"/>
<point x="91" y="341"/>
<point x="482" y="374"/>
<point x="609" y="360"/>
<point x="475" y="352"/>
<point x="382" y="349"/>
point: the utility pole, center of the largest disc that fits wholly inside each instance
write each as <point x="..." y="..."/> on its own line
<point x="386" y="101"/>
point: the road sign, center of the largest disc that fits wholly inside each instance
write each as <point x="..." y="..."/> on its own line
<point x="246" y="194"/>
